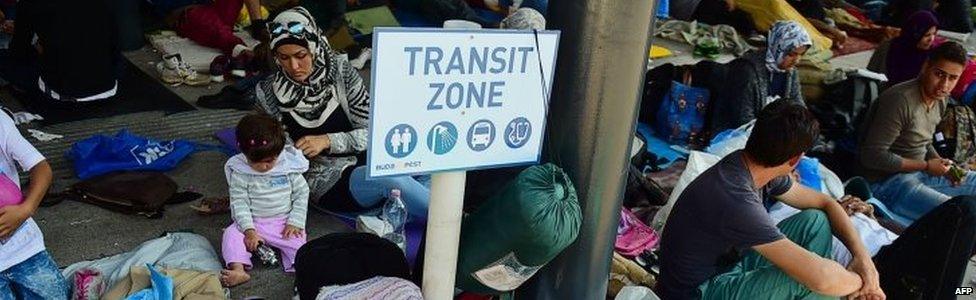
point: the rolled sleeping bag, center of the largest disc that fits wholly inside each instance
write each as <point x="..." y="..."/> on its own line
<point x="518" y="231"/>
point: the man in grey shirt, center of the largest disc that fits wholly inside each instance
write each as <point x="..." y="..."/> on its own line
<point x="896" y="152"/>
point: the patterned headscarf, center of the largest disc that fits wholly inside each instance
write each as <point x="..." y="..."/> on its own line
<point x="524" y="19"/>
<point x="308" y="101"/>
<point x="784" y="37"/>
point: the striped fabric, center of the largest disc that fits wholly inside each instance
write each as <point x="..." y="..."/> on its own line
<point x="386" y="288"/>
<point x="268" y="196"/>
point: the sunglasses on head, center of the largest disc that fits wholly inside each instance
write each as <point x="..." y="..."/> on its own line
<point x="293" y="27"/>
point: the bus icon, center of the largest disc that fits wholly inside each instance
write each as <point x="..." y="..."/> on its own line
<point x="481" y="135"/>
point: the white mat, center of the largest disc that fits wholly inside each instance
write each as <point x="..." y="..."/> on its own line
<point x="197" y="56"/>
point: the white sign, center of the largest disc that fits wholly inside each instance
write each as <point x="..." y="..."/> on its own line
<point x="445" y="100"/>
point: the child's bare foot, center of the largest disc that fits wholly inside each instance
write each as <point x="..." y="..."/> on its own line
<point x="234" y="276"/>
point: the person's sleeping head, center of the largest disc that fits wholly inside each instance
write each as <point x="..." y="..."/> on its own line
<point x="787" y="43"/>
<point x="942" y="70"/>
<point x="297" y="44"/>
<point x="783" y="132"/>
<point x="920" y="29"/>
<point x="524" y="19"/>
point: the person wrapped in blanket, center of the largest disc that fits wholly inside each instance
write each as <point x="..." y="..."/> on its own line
<point x="762" y="76"/>
<point x="323" y="103"/>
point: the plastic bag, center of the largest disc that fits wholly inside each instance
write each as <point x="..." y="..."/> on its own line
<point x="636" y="293"/>
<point x="681" y="117"/>
<point x="633" y="237"/>
<point x="730" y="140"/>
<point x="161" y="289"/>
<point x="809" y="169"/>
<point x="102" y="154"/>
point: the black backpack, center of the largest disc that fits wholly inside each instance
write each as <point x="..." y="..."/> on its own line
<point x="345" y="258"/>
<point x="844" y="106"/>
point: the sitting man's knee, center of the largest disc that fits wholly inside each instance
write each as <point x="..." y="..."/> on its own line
<point x="966" y="205"/>
<point x="814" y="215"/>
<point x="814" y="219"/>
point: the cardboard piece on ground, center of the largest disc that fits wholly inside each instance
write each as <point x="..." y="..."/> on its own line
<point x="659" y="52"/>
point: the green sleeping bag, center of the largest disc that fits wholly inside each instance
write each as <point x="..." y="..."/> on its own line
<point x="519" y="230"/>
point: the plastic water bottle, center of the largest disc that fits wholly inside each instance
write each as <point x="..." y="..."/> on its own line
<point x="266" y="255"/>
<point x="395" y="213"/>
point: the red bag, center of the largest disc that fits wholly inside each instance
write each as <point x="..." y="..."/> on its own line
<point x="967" y="77"/>
<point x="857" y="13"/>
<point x="633" y="236"/>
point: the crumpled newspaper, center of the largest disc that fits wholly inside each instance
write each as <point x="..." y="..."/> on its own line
<point x="25" y="117"/>
<point x="43" y="136"/>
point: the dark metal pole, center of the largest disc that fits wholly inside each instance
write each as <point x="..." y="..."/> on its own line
<point x="599" y="76"/>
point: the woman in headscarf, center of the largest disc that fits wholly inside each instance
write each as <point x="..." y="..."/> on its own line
<point x="902" y="59"/>
<point x="766" y="13"/>
<point x="324" y="106"/>
<point x="762" y="76"/>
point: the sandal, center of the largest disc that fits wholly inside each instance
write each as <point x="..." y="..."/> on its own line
<point x="212" y="206"/>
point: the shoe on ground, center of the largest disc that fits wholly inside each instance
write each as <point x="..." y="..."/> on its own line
<point x="240" y="65"/>
<point x="756" y="40"/>
<point x="173" y="70"/>
<point x="364" y="56"/>
<point x="373" y="224"/>
<point x="169" y="69"/>
<point x="191" y="77"/>
<point x="228" y="97"/>
<point x="219" y="67"/>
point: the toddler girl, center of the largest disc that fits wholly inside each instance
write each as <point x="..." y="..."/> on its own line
<point x="268" y="197"/>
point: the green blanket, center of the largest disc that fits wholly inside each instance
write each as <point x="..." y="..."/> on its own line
<point x="364" y="20"/>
